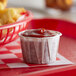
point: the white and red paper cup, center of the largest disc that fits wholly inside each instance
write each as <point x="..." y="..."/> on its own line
<point x="40" y="50"/>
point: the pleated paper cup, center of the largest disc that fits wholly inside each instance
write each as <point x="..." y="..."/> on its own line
<point x="40" y="50"/>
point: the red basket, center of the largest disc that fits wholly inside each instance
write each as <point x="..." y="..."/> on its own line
<point x="15" y="29"/>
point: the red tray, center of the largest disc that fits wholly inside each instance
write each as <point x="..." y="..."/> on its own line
<point x="67" y="48"/>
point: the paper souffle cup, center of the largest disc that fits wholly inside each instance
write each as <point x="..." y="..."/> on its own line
<point x="40" y="50"/>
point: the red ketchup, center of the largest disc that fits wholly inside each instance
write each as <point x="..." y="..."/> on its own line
<point x="38" y="33"/>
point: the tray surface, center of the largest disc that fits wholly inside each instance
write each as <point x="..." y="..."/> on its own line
<point x="67" y="48"/>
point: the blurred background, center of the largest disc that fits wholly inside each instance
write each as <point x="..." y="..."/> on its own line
<point x="57" y="9"/>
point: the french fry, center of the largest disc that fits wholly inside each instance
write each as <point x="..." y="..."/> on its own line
<point x="3" y="4"/>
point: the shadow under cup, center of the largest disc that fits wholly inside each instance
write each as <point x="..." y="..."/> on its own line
<point x="40" y="50"/>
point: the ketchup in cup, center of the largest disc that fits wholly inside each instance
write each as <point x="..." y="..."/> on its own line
<point x="39" y="46"/>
